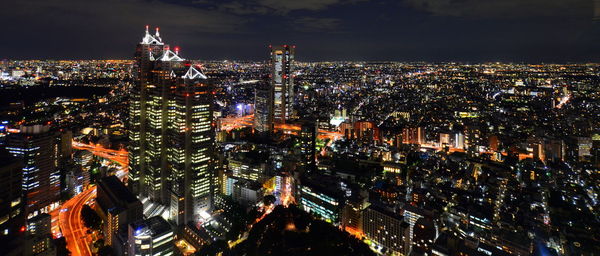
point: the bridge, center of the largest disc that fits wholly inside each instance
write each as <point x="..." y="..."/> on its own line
<point x="117" y="156"/>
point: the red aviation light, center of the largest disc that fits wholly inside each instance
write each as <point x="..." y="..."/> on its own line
<point x="22" y="229"/>
<point x="270" y="46"/>
<point x="177" y="49"/>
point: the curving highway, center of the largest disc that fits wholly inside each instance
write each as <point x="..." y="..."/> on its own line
<point x="71" y="224"/>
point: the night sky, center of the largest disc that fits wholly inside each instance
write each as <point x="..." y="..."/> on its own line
<point x="402" y="30"/>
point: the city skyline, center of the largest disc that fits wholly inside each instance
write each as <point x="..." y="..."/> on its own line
<point x="530" y="31"/>
<point x="287" y="127"/>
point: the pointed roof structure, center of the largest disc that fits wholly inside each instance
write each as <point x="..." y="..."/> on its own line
<point x="193" y="73"/>
<point x="169" y="55"/>
<point x="149" y="39"/>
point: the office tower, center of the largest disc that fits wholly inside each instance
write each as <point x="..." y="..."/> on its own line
<point x="413" y="135"/>
<point x="247" y="168"/>
<point x="40" y="224"/>
<point x="282" y="81"/>
<point x="353" y="213"/>
<point x="411" y="216"/>
<point x="11" y="205"/>
<point x="459" y="140"/>
<point x="36" y="147"/>
<point x="119" y="207"/>
<point x="39" y="238"/>
<point x="263" y="108"/>
<point x="191" y="145"/>
<point x="152" y="236"/>
<point x="322" y="196"/>
<point x="385" y="228"/>
<point x="147" y="118"/>
<point x="308" y="144"/>
<point x="247" y="192"/>
<point x="171" y="131"/>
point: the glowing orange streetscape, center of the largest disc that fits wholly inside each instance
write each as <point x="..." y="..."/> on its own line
<point x="71" y="224"/>
<point x="118" y="156"/>
<point x="69" y="216"/>
<point x="232" y="123"/>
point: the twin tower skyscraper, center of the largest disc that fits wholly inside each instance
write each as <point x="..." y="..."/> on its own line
<point x="171" y="132"/>
<point x="171" y="129"/>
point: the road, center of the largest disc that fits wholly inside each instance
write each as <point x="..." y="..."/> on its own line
<point x="119" y="156"/>
<point x="71" y="224"/>
<point x="231" y="123"/>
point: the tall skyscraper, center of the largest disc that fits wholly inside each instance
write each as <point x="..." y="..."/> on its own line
<point x="150" y="46"/>
<point x="191" y="145"/>
<point x="307" y="144"/>
<point x="263" y="108"/>
<point x="171" y="131"/>
<point x="11" y="205"/>
<point x="36" y="147"/>
<point x="282" y="81"/>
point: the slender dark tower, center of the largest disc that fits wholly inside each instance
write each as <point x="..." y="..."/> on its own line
<point x="263" y="107"/>
<point x="282" y="81"/>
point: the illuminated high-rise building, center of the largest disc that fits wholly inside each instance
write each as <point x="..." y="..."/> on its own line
<point x="36" y="146"/>
<point x="146" y="51"/>
<point x="282" y="81"/>
<point x="171" y="131"/>
<point x="153" y="236"/>
<point x="191" y="146"/>
<point x="307" y="144"/>
<point x="263" y="108"/>
<point x="11" y="205"/>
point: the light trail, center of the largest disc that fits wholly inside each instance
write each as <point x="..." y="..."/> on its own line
<point x="232" y="123"/>
<point x="71" y="223"/>
<point x="119" y="156"/>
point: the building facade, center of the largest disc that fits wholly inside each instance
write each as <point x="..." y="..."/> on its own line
<point x="36" y="147"/>
<point x="263" y="108"/>
<point x="171" y="131"/>
<point x="153" y="236"/>
<point x="282" y="82"/>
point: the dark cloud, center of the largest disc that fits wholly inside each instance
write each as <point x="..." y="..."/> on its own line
<point x="123" y="12"/>
<point x="286" y="6"/>
<point x="273" y="7"/>
<point x="313" y="24"/>
<point x="436" y="30"/>
<point x="507" y="9"/>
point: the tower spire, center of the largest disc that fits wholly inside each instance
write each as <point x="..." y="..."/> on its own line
<point x="157" y="32"/>
<point x="147" y="29"/>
